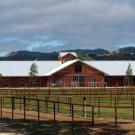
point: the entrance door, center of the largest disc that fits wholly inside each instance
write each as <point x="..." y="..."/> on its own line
<point x="78" y="81"/>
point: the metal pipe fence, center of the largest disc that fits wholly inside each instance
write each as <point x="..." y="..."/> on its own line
<point x="91" y="111"/>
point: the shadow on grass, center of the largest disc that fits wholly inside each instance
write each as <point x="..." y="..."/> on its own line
<point x="33" y="127"/>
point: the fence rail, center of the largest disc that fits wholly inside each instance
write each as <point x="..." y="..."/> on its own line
<point x="90" y="111"/>
<point x="120" y="91"/>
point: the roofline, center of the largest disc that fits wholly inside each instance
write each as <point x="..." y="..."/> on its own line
<point x="93" y="67"/>
<point x="77" y="60"/>
<point x="62" y="68"/>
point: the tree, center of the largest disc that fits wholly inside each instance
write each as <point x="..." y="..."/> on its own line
<point x="33" y="72"/>
<point x="84" y="57"/>
<point x="129" y="73"/>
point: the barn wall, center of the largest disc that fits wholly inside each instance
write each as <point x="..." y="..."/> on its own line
<point x="118" y="81"/>
<point x="18" y="82"/>
<point x="66" y="74"/>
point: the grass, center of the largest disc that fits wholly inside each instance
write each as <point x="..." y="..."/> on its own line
<point x="103" y="99"/>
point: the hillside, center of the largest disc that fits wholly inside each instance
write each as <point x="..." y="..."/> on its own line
<point x="27" y="55"/>
<point x="127" y="53"/>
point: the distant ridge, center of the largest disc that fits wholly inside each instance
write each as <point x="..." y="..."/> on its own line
<point x="127" y="53"/>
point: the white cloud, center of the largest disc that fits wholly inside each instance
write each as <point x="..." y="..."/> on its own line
<point x="81" y="23"/>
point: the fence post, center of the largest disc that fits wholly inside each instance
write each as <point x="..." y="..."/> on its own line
<point x="70" y="105"/>
<point x="58" y="105"/>
<point x="38" y="109"/>
<point x="72" y="116"/>
<point x="93" y="116"/>
<point x="27" y="103"/>
<point x="133" y="109"/>
<point x="3" y="100"/>
<point x="54" y="111"/>
<point x="46" y="103"/>
<point x="24" y="107"/>
<point x="84" y="107"/>
<point x="13" y="106"/>
<point x="99" y="107"/>
<point x="115" y="113"/>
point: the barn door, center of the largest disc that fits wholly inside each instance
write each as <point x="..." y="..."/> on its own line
<point x="78" y="81"/>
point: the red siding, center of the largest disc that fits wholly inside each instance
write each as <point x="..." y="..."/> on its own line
<point x="66" y="74"/>
<point x="15" y="82"/>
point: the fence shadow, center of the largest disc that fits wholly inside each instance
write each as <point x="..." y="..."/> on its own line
<point x="33" y="127"/>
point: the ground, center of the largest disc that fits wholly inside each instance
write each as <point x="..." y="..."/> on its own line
<point x="45" y="126"/>
<point x="103" y="101"/>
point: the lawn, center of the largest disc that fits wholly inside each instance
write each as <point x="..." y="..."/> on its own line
<point x="105" y="101"/>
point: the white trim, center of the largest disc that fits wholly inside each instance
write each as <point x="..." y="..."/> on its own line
<point x="66" y="64"/>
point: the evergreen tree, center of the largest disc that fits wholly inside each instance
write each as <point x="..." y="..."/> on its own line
<point x="129" y="73"/>
<point x="33" y="72"/>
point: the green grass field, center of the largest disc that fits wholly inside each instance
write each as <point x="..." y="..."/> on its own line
<point x="105" y="101"/>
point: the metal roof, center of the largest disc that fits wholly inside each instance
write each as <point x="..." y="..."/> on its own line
<point x="113" y="68"/>
<point x="60" y="67"/>
<point x="46" y="68"/>
<point x="22" y="68"/>
<point x="66" y="64"/>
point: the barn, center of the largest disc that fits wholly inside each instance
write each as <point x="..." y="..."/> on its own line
<point x="68" y="71"/>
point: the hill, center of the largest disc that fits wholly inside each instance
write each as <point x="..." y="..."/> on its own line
<point x="127" y="53"/>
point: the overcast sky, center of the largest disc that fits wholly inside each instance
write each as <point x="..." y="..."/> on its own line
<point x="53" y="25"/>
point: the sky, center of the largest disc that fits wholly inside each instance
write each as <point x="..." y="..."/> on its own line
<point x="55" y="25"/>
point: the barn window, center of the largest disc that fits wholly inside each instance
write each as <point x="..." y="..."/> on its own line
<point x="53" y="83"/>
<point x="23" y="82"/>
<point x="78" y="68"/>
<point x="81" y="78"/>
<point x="6" y="82"/>
<point x="78" y="78"/>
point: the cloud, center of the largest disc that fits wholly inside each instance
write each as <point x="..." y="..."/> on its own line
<point x="34" y="43"/>
<point x="66" y="24"/>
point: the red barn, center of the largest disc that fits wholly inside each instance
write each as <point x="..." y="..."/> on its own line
<point x="67" y="72"/>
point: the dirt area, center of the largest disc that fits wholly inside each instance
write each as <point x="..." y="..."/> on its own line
<point x="63" y="125"/>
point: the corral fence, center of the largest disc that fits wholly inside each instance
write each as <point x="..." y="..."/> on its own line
<point x="88" y="110"/>
<point x="99" y="91"/>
